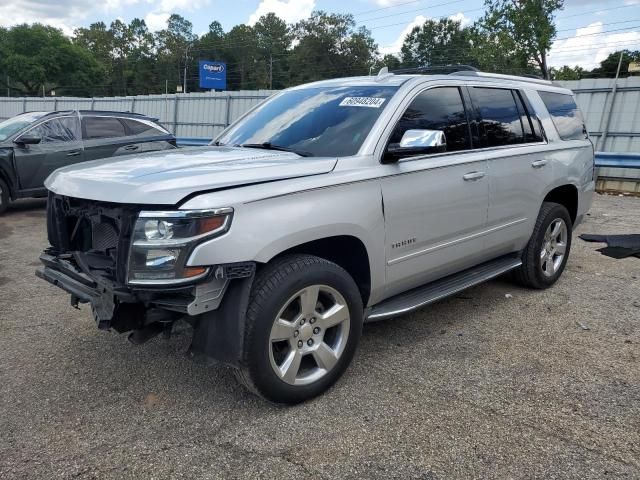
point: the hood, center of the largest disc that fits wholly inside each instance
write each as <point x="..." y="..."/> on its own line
<point x="165" y="178"/>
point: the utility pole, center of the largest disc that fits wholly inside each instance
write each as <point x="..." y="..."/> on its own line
<point x="270" y="72"/>
<point x="186" y="61"/>
<point x="8" y="87"/>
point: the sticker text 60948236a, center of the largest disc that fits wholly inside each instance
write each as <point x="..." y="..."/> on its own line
<point x="371" y="102"/>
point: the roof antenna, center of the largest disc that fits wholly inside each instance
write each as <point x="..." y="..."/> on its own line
<point x="383" y="71"/>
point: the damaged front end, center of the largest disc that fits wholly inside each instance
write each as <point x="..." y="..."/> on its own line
<point x="131" y="265"/>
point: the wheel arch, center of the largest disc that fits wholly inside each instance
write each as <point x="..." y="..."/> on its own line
<point x="567" y="196"/>
<point x="347" y="251"/>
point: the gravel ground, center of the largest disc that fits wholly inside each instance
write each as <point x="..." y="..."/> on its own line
<point x="497" y="382"/>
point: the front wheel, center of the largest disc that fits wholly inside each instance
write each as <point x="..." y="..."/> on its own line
<point x="302" y="328"/>
<point x="546" y="254"/>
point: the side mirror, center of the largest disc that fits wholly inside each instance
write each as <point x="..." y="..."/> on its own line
<point x="416" y="142"/>
<point x="28" y="140"/>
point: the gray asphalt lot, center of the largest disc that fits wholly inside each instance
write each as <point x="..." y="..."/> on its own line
<point x="497" y="382"/>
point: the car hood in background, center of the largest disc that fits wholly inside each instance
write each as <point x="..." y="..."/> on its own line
<point x="165" y="178"/>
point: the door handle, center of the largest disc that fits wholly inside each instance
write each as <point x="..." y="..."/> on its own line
<point x="471" y="176"/>
<point x="75" y="153"/>
<point x="539" y="163"/>
<point x="131" y="147"/>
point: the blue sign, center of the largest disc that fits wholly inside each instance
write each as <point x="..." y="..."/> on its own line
<point x="213" y="75"/>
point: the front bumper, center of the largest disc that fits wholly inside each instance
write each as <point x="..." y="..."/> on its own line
<point x="103" y="295"/>
<point x="112" y="302"/>
<point x="216" y="307"/>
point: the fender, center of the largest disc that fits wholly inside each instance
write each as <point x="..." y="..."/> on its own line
<point x="7" y="170"/>
<point x="261" y="230"/>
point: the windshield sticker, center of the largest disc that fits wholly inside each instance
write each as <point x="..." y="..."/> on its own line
<point x="371" y="102"/>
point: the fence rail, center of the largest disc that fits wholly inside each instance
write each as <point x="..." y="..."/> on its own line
<point x="192" y="115"/>
<point x="197" y="117"/>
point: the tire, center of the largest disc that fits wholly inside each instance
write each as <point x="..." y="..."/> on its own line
<point x="302" y="338"/>
<point x="545" y="256"/>
<point x="5" y="198"/>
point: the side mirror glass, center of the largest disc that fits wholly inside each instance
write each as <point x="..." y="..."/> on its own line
<point x="417" y="142"/>
<point x="28" y="140"/>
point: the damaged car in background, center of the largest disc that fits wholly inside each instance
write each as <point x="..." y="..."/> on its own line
<point x="329" y="205"/>
<point x="34" y="144"/>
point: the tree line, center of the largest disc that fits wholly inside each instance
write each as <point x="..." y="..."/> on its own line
<point x="128" y="59"/>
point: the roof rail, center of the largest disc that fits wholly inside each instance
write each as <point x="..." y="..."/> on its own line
<point x="523" y="78"/>
<point x="445" y="69"/>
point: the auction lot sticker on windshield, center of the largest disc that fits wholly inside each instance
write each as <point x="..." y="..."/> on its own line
<point x="371" y="102"/>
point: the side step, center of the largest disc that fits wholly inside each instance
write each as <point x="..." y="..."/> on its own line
<point x="445" y="287"/>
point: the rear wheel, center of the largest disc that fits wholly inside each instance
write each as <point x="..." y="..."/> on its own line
<point x="545" y="256"/>
<point x="303" y="325"/>
<point x="5" y="199"/>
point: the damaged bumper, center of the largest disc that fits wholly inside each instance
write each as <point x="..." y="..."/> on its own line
<point x="62" y="272"/>
<point x="216" y="308"/>
<point x="72" y="273"/>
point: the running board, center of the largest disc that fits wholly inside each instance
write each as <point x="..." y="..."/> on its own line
<point x="432" y="292"/>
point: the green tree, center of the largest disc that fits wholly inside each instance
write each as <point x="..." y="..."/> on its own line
<point x="274" y="39"/>
<point x="609" y="65"/>
<point x="390" y="61"/>
<point x="516" y="34"/>
<point x="38" y="55"/>
<point x="174" y="48"/>
<point x="436" y="43"/>
<point x="566" y="73"/>
<point x="330" y="46"/>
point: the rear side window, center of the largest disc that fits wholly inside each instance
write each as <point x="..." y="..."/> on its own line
<point x="102" y="127"/>
<point x="439" y="108"/>
<point x="565" y="115"/>
<point x="500" y="119"/>
<point x="143" y="128"/>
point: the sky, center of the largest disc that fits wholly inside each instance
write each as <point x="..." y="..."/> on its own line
<point x="588" y="30"/>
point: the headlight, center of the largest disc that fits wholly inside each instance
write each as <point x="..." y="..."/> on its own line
<point x="162" y="241"/>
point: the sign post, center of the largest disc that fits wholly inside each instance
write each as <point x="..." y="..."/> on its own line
<point x="213" y="75"/>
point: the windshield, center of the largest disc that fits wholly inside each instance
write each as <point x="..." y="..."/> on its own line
<point x="320" y="122"/>
<point x="17" y="123"/>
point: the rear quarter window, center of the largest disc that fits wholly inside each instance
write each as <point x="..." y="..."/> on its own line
<point x="565" y="115"/>
<point x="146" y="128"/>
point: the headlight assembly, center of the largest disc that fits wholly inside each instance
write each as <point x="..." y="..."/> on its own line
<point x="163" y="240"/>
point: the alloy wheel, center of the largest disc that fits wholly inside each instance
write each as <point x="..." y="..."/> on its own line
<point x="309" y="335"/>
<point x="554" y="247"/>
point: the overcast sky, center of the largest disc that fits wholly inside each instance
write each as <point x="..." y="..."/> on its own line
<point x="588" y="30"/>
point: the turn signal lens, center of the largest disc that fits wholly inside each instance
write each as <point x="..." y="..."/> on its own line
<point x="189" y="272"/>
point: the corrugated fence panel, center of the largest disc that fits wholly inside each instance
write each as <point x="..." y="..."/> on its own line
<point x="10" y="107"/>
<point x="202" y="114"/>
<point x="205" y="114"/>
<point x="594" y="96"/>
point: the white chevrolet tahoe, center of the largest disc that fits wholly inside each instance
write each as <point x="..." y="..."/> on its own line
<point x="327" y="206"/>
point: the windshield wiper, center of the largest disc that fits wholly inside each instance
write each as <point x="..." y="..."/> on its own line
<point x="271" y="146"/>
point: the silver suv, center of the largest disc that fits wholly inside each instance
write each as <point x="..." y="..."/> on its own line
<point x="329" y="205"/>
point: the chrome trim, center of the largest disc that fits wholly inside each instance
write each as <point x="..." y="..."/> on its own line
<point x="209" y="212"/>
<point x="182" y="242"/>
<point x="173" y="281"/>
<point x="454" y="242"/>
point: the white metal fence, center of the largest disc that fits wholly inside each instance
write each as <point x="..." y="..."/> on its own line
<point x="186" y="115"/>
<point x="204" y="115"/>
<point x="599" y="102"/>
